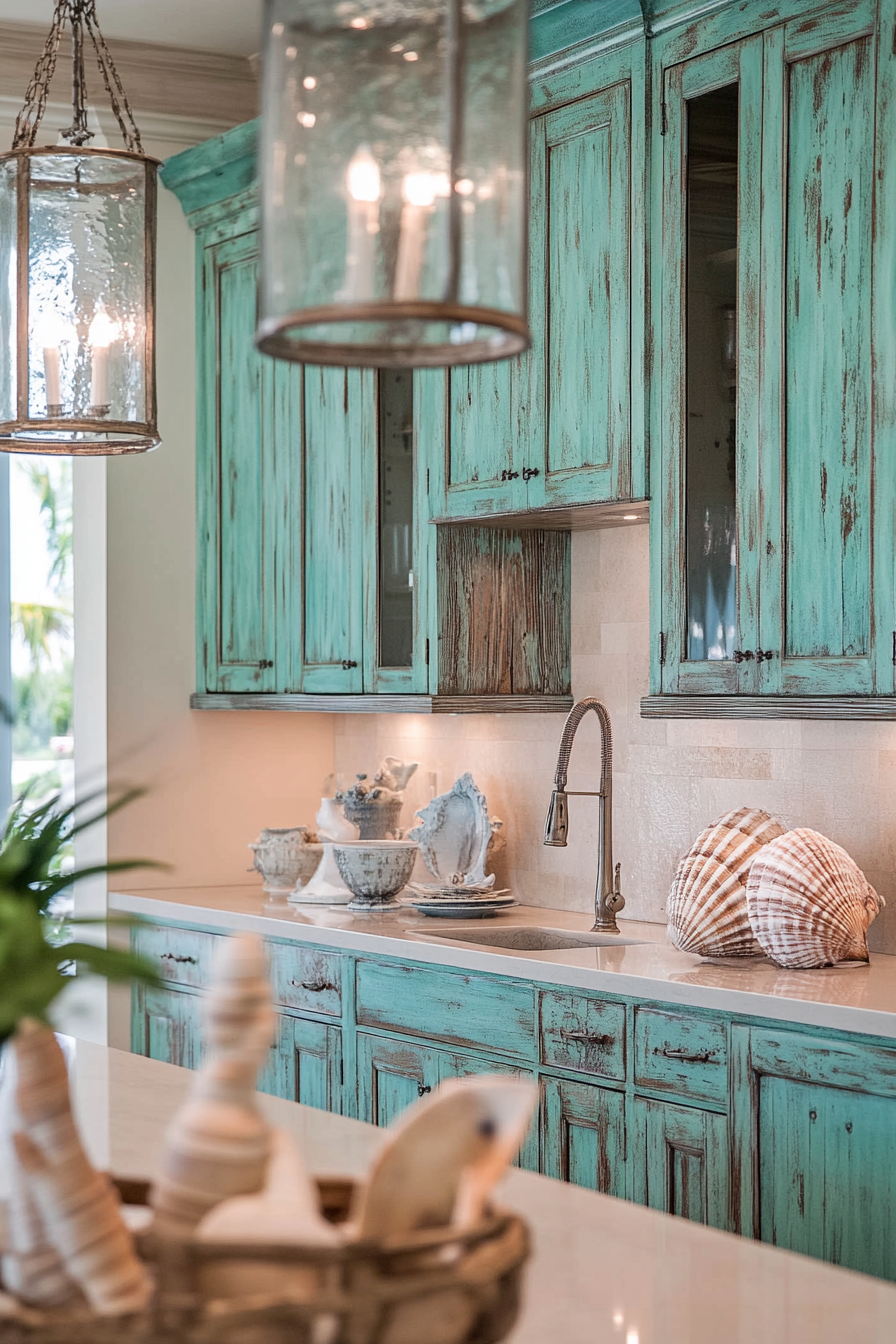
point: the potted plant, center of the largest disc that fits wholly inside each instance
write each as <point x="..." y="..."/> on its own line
<point x="38" y="950"/>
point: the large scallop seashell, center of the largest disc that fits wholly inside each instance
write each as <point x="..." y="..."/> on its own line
<point x="707" y="906"/>
<point x="809" y="903"/>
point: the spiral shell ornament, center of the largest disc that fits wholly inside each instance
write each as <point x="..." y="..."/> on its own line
<point x="707" y="905"/>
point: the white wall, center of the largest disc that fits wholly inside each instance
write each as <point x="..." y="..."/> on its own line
<point x="213" y="779"/>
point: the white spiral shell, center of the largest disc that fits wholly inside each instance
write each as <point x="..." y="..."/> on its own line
<point x="809" y="903"/>
<point x="707" y="905"/>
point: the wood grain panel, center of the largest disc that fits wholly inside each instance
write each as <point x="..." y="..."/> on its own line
<point x="503" y="612"/>
<point x="333" y="596"/>
<point x="828" y="333"/>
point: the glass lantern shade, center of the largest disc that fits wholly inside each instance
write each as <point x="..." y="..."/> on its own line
<point x="77" y="294"/>
<point x="394" y="183"/>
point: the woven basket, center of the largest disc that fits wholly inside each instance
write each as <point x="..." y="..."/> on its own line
<point x="434" y="1287"/>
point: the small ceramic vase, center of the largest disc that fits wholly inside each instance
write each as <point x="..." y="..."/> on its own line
<point x="285" y="857"/>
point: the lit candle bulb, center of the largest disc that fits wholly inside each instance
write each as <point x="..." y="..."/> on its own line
<point x="51" y="332"/>
<point x="419" y="191"/>
<point x="103" y="331"/>
<point x="364" y="192"/>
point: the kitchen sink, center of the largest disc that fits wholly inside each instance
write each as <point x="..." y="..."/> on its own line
<point x="522" y="938"/>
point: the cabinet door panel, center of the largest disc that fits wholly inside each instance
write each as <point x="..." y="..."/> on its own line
<point x="469" y="1066"/>
<point x="338" y="418"/>
<point x="306" y="1064"/>
<point x="818" y="587"/>
<point x="166" y="1026"/>
<point x="236" y="535"/>
<point x="814" y="1129"/>
<point x="481" y="434"/>
<point x="707" y="522"/>
<point x="685" y="1162"/>
<point x="584" y="1136"/>
<point x="581" y="228"/>
<point x="392" y="1075"/>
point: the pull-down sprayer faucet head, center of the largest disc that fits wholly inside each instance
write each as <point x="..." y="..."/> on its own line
<point x="556" y="826"/>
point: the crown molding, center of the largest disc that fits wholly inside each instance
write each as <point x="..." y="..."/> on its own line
<point x="183" y="87"/>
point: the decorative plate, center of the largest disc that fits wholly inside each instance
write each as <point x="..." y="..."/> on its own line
<point x="454" y="834"/>
<point x="463" y="909"/>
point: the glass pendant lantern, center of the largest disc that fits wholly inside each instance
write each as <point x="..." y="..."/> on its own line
<point x="77" y="272"/>
<point x="394" y="192"/>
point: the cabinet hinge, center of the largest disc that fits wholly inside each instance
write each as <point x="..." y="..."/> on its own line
<point x="427" y="480"/>
<point x="427" y="653"/>
<point x="662" y="649"/>
<point x="664" y="118"/>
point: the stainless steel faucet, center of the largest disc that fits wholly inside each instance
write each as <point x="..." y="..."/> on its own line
<point x="608" y="900"/>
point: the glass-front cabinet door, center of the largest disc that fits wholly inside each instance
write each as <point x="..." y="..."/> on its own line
<point x="709" y="526"/>
<point x="398" y="542"/>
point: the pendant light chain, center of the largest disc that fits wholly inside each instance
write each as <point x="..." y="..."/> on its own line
<point x="81" y="14"/>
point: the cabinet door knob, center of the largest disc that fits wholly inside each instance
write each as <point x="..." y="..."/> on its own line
<point x="511" y="475"/>
<point x="764" y="655"/>
<point x="312" y="986"/>
<point x="743" y="655"/>
<point x="348" y="664"/>
<point x="422" y="1089"/>
<point x="529" y="472"/>
<point x="265" y="662"/>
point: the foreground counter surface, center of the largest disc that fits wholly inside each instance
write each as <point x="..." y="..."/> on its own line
<point x="855" y="997"/>
<point x="603" y="1270"/>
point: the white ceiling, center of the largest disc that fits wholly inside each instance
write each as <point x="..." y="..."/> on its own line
<point x="230" y="26"/>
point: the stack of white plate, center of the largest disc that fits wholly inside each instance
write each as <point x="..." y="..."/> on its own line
<point x="458" y="902"/>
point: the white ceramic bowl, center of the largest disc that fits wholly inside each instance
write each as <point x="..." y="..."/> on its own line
<point x="375" y="870"/>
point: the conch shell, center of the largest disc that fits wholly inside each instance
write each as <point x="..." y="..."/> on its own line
<point x="707" y="906"/>
<point x="809" y="903"/>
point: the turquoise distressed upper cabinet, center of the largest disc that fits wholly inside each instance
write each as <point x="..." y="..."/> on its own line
<point x="245" y="470"/>
<point x="563" y="424"/>
<point x="773" y="543"/>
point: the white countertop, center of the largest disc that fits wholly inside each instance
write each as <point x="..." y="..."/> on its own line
<point x="604" y="1271"/>
<point x="855" y="997"/>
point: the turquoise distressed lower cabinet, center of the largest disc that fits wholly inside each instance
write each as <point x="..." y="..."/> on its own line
<point x="584" y="1135"/>
<point x="784" y="1135"/>
<point x="683" y="1161"/>
<point x="814" y="1125"/>
<point x="165" y="1025"/>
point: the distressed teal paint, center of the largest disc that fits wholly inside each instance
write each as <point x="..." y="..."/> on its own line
<point x="165" y="1026"/>
<point x="332" y="609"/>
<point x="686" y="1162"/>
<point x="583" y="1139"/>
<point x="214" y="171"/>
<point x="681" y="1055"/>
<point x="816" y="426"/>
<point x="588" y="296"/>
<point x="821" y="1123"/>
<point x="629" y="1102"/>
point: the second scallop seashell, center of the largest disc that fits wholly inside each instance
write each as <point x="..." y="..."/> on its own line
<point x="809" y="904"/>
<point x="707" y="906"/>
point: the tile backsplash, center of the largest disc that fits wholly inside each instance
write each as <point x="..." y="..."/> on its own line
<point x="670" y="777"/>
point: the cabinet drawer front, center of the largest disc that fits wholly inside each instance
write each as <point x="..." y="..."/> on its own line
<point x="181" y="956"/>
<point x="305" y="977"/>
<point x="460" y="1009"/>
<point x="583" y="1034"/>
<point x="687" y="1056"/>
